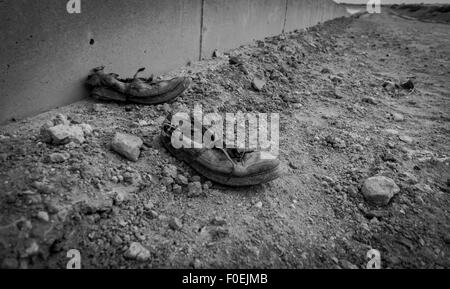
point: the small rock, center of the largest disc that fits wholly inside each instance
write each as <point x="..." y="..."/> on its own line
<point x="153" y="214"/>
<point x="398" y="117"/>
<point x="170" y="171"/>
<point x="217" y="54"/>
<point x="236" y="60"/>
<point x="391" y="131"/>
<point x="369" y="100"/>
<point x="258" y="205"/>
<point x="379" y="190"/>
<point x="62" y="134"/>
<point x="61" y="119"/>
<point x="87" y="129"/>
<point x="167" y="181"/>
<point x="149" y="205"/>
<point x="175" y="224"/>
<point x="167" y="108"/>
<point x="32" y="249"/>
<point x="177" y="189"/>
<point x="59" y="157"/>
<point x="43" y="216"/>
<point x="388" y="157"/>
<point x="127" y="145"/>
<point x="3" y="157"/>
<point x="336" y="142"/>
<point x="194" y="189"/>
<point x="258" y="84"/>
<point x="218" y="221"/>
<point x="447" y="238"/>
<point x="196" y="179"/>
<point x="325" y="70"/>
<point x="336" y="80"/>
<point x="217" y="233"/>
<point x="137" y="252"/>
<point x="405" y="139"/>
<point x="181" y="180"/>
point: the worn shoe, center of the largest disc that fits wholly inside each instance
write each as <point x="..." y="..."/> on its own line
<point x="225" y="166"/>
<point x="108" y="86"/>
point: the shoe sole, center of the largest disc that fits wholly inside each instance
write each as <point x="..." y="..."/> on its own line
<point x="104" y="93"/>
<point x="251" y="180"/>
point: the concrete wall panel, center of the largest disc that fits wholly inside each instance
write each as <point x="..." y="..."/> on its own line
<point x="229" y="24"/>
<point x="46" y="53"/>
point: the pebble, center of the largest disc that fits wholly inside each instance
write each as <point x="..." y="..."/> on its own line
<point x="149" y="205"/>
<point x="182" y="180"/>
<point x="406" y="139"/>
<point x="258" y="84"/>
<point x="62" y="134"/>
<point x="259" y="205"/>
<point x="369" y="100"/>
<point x="87" y="129"/>
<point x="137" y="252"/>
<point x="196" y="179"/>
<point x="177" y="189"/>
<point x="217" y="54"/>
<point x="32" y="249"/>
<point x="194" y="189"/>
<point x="59" y="157"/>
<point x="170" y="171"/>
<point x="398" y="117"/>
<point x="127" y="145"/>
<point x="175" y="224"/>
<point x="379" y="190"/>
<point x="42" y="215"/>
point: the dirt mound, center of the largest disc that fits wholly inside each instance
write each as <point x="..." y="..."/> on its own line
<point x="344" y="118"/>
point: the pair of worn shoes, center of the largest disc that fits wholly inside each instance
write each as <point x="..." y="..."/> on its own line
<point x="222" y="165"/>
<point x="227" y="166"/>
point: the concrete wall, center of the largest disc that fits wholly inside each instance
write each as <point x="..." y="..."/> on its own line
<point x="46" y="53"/>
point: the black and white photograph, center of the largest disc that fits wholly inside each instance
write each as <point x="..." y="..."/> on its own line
<point x="244" y="136"/>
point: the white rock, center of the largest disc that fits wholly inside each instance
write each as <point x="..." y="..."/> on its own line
<point x="43" y="216"/>
<point x="137" y="252"/>
<point x="127" y="145"/>
<point x="62" y="134"/>
<point x="379" y="190"/>
<point x="258" y="84"/>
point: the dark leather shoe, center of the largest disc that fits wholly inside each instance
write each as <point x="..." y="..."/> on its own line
<point x="225" y="166"/>
<point x="107" y="86"/>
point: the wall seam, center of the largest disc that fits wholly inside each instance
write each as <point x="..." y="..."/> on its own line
<point x="202" y="9"/>
<point x="285" y="16"/>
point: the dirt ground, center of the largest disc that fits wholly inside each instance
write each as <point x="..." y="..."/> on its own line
<point x="338" y="126"/>
<point x="428" y="13"/>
